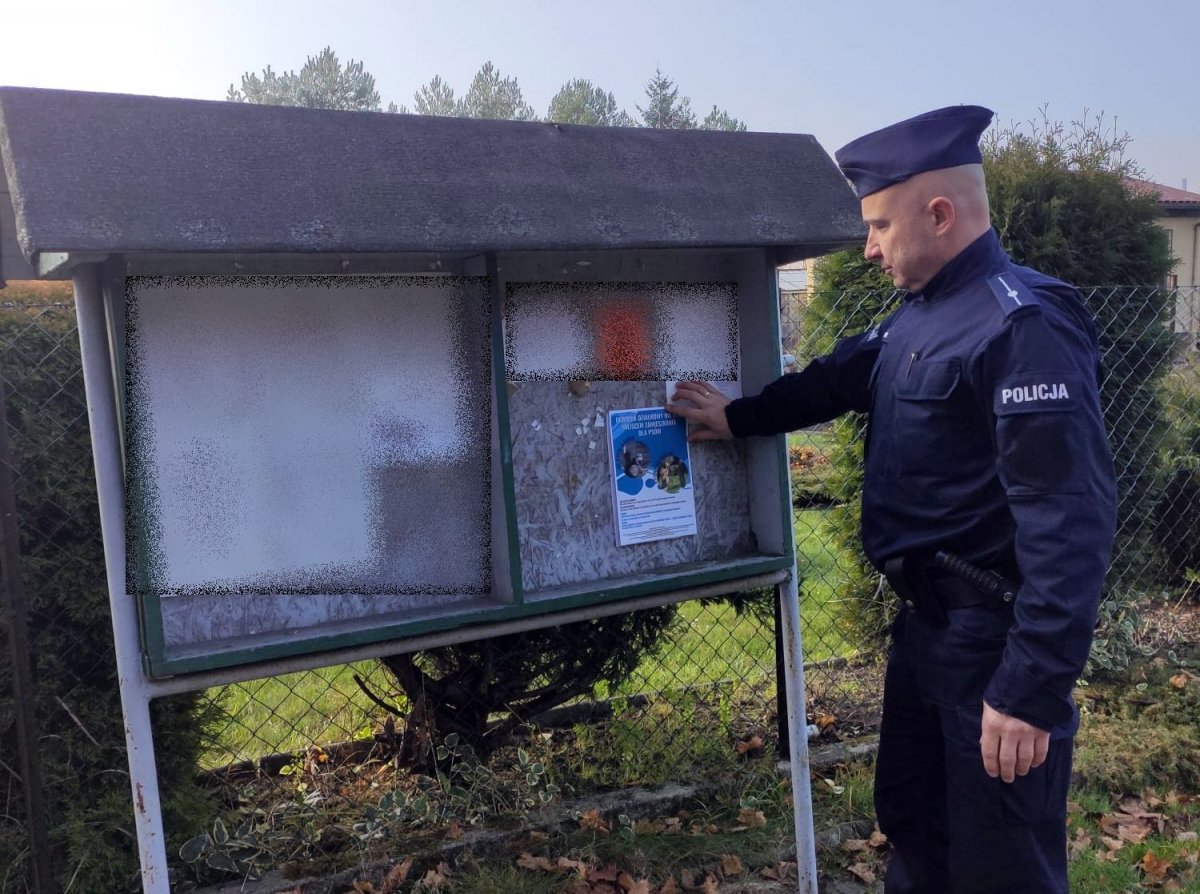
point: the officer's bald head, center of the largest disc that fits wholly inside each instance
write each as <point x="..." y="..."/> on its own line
<point x="916" y="226"/>
<point x="960" y="192"/>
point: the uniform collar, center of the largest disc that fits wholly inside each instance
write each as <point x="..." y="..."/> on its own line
<point x="980" y="257"/>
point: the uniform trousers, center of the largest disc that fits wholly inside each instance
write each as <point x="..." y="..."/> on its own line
<point x="954" y="829"/>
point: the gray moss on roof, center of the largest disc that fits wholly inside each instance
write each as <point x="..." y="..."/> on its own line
<point x="94" y="172"/>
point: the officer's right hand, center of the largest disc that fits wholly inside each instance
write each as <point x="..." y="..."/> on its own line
<point x="705" y="406"/>
<point x="1010" y="746"/>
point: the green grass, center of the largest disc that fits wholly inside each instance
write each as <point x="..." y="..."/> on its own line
<point x="292" y="713"/>
<point x="712" y="644"/>
<point x="821" y="567"/>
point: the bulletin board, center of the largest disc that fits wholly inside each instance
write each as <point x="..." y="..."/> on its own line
<point x="320" y="462"/>
<point x="564" y="346"/>
<point x="575" y="351"/>
<point x="303" y="453"/>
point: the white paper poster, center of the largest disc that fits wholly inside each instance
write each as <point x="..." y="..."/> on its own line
<point x="653" y="496"/>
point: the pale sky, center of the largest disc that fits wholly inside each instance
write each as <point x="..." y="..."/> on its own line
<point x="830" y="68"/>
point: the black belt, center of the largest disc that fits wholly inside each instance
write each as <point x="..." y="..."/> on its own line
<point x="933" y="586"/>
<point x="954" y="592"/>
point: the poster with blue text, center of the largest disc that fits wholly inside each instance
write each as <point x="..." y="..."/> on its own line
<point x="653" y="497"/>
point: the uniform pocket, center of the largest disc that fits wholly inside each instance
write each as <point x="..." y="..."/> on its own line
<point x="980" y="624"/>
<point x="933" y="433"/>
<point x="929" y="380"/>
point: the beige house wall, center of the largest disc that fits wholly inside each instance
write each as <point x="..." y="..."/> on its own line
<point x="1184" y="236"/>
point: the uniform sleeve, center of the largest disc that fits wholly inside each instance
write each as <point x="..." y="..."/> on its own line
<point x="1038" y="385"/>
<point x="826" y="388"/>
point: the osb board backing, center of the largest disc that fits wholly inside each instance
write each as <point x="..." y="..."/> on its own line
<point x="566" y="530"/>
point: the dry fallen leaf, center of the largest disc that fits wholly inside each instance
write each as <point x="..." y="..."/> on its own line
<point x="1155" y="867"/>
<point x="1081" y="842"/>
<point x="863" y="873"/>
<point x="1179" y="681"/>
<point x="362" y="887"/>
<point x="854" y="845"/>
<point x="824" y="721"/>
<point x="731" y="864"/>
<point x="754" y="743"/>
<point x="709" y="885"/>
<point x="1134" y="834"/>
<point x="669" y="887"/>
<point x="435" y="879"/>
<point x="780" y="872"/>
<point x="750" y="818"/>
<point x="603" y="874"/>
<point x="536" y="863"/>
<point x="630" y="885"/>
<point x="454" y="831"/>
<point x="566" y="864"/>
<point x="396" y="876"/>
<point x="592" y="821"/>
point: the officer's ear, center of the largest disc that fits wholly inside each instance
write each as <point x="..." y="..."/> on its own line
<point x="942" y="212"/>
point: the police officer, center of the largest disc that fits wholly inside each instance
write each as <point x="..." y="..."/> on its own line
<point x="986" y="442"/>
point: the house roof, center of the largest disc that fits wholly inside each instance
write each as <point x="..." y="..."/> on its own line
<point x="97" y="172"/>
<point x="1167" y="195"/>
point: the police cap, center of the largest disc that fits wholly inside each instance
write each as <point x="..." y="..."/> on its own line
<point x="944" y="138"/>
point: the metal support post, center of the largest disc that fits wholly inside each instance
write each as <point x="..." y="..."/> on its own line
<point x="788" y="595"/>
<point x="110" y="487"/>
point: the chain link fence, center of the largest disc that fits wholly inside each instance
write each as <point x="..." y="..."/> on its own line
<point x="80" y="738"/>
<point x="696" y="699"/>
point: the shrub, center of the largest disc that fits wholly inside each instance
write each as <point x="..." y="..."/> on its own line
<point x="1178" y="515"/>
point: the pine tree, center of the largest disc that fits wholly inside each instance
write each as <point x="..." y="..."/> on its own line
<point x="664" y="108"/>
<point x="719" y="119"/>
<point x="323" y="83"/>
<point x="435" y="98"/>
<point x="581" y="102"/>
<point x="491" y="96"/>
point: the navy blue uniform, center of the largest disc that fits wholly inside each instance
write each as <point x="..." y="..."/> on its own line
<point x="985" y="439"/>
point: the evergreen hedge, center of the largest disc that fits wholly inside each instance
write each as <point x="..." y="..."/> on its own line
<point x="82" y="737"/>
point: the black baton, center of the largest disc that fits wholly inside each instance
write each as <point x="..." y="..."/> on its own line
<point x="991" y="583"/>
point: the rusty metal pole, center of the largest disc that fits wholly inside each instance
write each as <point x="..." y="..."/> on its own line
<point x="12" y="597"/>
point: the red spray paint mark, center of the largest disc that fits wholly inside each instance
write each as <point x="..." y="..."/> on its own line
<point x="624" y="348"/>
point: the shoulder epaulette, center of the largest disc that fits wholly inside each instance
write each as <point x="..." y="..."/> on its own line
<point x="1012" y="294"/>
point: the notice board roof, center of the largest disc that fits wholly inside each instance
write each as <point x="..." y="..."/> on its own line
<point x="99" y="173"/>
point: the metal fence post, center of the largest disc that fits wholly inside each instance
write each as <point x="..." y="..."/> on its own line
<point x="12" y="596"/>
<point x="110" y="487"/>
